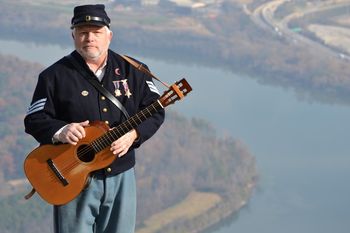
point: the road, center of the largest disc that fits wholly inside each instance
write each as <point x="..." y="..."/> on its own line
<point x="264" y="17"/>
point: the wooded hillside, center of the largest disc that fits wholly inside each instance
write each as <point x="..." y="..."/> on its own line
<point x="17" y="80"/>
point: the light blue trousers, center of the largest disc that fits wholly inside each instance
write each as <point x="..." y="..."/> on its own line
<point x="108" y="205"/>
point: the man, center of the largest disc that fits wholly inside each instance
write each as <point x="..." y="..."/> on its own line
<point x="64" y="103"/>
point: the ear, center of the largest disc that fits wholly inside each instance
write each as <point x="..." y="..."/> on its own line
<point x="110" y="35"/>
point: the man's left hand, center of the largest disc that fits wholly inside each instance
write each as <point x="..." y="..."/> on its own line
<point x="121" y="146"/>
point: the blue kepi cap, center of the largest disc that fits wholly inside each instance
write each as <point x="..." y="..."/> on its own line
<point x="90" y="15"/>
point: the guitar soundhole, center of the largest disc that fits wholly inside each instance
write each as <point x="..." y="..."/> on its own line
<point x="86" y="153"/>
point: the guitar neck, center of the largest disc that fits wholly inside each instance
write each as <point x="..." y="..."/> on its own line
<point x="106" y="139"/>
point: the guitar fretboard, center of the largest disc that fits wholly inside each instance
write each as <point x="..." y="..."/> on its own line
<point x="106" y="140"/>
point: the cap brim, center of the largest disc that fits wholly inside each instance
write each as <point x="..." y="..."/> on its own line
<point x="93" y="23"/>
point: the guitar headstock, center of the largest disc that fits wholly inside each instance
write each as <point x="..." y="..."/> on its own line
<point x="176" y="92"/>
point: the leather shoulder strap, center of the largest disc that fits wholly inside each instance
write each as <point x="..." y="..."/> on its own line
<point x="97" y="85"/>
<point x="108" y="95"/>
<point x="142" y="68"/>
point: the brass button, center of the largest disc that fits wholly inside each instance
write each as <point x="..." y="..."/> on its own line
<point x="109" y="169"/>
<point x="103" y="98"/>
<point x="107" y="122"/>
<point x="105" y="110"/>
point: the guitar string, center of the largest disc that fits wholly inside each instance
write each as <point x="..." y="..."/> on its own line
<point x="101" y="144"/>
<point x="71" y="164"/>
<point x="68" y="165"/>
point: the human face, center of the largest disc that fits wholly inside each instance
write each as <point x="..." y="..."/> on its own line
<point x="92" y="42"/>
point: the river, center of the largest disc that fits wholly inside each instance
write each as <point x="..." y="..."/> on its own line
<point x="301" y="148"/>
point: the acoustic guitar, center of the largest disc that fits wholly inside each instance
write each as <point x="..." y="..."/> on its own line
<point x="58" y="173"/>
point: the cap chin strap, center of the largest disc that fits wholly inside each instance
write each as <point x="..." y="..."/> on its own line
<point x="89" y="18"/>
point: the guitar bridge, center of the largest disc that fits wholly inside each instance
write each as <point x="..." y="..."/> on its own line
<point x="57" y="172"/>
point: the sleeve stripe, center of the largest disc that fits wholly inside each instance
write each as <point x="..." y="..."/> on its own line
<point x="35" y="109"/>
<point x="37" y="106"/>
<point x="152" y="87"/>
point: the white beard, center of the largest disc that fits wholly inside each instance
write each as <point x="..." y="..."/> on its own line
<point x="89" y="55"/>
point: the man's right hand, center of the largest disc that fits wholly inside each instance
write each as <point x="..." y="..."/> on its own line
<point x="73" y="132"/>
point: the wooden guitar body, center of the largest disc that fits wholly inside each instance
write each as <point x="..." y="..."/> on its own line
<point x="59" y="172"/>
